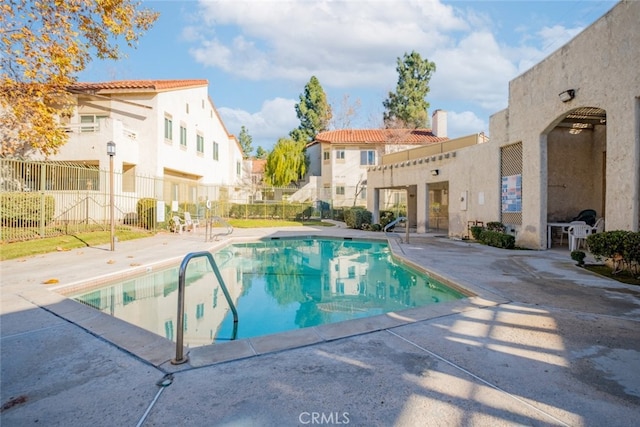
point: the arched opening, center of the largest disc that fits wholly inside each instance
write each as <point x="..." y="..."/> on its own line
<point x="576" y="164"/>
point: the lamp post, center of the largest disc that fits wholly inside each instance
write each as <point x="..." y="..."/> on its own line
<point x="111" y="151"/>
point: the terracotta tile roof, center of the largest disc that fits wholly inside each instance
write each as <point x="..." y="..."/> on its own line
<point x="379" y="136"/>
<point x="138" y="85"/>
<point x="258" y="166"/>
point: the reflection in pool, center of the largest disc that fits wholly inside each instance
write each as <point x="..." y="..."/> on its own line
<point x="277" y="285"/>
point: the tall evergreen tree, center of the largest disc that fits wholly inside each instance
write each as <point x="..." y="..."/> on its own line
<point x="407" y="107"/>
<point x="286" y="163"/>
<point x="245" y="141"/>
<point x="314" y="112"/>
<point x="261" y="153"/>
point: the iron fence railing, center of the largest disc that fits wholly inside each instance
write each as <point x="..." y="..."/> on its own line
<point x="43" y="199"/>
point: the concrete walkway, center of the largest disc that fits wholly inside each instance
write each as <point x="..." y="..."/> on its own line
<point x="541" y="342"/>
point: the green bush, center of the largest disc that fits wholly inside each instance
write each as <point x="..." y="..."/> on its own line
<point x="268" y="210"/>
<point x="375" y="227"/>
<point x="25" y="209"/>
<point x="608" y="244"/>
<point x="498" y="239"/>
<point x="146" y="209"/>
<point x="578" y="256"/>
<point x="496" y="226"/>
<point x="357" y="218"/>
<point x="386" y="217"/>
<point x="620" y="246"/>
<point x="476" y="231"/>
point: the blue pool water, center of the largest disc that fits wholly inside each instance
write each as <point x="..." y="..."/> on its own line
<point x="276" y="285"/>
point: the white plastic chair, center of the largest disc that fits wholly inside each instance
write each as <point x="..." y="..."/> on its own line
<point x="178" y="225"/>
<point x="578" y="233"/>
<point x="598" y="227"/>
<point x="565" y="230"/>
<point x="190" y="223"/>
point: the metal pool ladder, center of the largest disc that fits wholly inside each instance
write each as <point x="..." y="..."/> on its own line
<point x="180" y="356"/>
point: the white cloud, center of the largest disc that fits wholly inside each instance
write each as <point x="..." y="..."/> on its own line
<point x="343" y="43"/>
<point x="276" y="118"/>
<point x="464" y="123"/>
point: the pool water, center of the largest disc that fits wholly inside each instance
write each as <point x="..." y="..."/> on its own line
<point x="277" y="285"/>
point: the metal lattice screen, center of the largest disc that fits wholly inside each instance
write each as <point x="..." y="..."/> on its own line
<point x="511" y="174"/>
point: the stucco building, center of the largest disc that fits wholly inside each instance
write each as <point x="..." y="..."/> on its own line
<point x="167" y="129"/>
<point x="339" y="159"/>
<point x="569" y="140"/>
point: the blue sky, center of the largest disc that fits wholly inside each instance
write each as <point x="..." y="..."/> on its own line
<point x="258" y="55"/>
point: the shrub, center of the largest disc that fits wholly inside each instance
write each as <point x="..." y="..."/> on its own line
<point x="375" y="227"/>
<point x="386" y="217"/>
<point x="24" y="209"/>
<point x="578" y="256"/>
<point x="497" y="239"/>
<point x="496" y="226"/>
<point x="357" y="218"/>
<point x="146" y="209"/>
<point x="476" y="231"/>
<point x="620" y="246"/>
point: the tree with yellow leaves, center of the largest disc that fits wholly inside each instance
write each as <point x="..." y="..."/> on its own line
<point x="44" y="45"/>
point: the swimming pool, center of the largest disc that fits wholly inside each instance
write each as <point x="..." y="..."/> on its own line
<point x="276" y="284"/>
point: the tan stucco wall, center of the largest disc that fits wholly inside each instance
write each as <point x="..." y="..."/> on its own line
<point x="562" y="173"/>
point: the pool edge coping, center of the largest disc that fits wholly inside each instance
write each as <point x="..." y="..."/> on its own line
<point x="158" y="351"/>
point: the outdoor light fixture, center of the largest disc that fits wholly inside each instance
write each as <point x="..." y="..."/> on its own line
<point x="111" y="151"/>
<point x="435" y="172"/>
<point x="567" y="95"/>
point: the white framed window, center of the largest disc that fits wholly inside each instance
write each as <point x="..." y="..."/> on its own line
<point x="340" y="190"/>
<point x="326" y="155"/>
<point x="339" y="154"/>
<point x="238" y="168"/>
<point x="216" y="152"/>
<point x="367" y="157"/>
<point x="168" y="128"/>
<point x="200" y="143"/>
<point x="183" y="136"/>
<point x="89" y="122"/>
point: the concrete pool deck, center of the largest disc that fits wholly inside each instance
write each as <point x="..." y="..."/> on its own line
<point x="542" y="342"/>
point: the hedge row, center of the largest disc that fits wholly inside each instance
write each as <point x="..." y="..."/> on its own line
<point x="358" y="218"/>
<point x="264" y="210"/>
<point x="493" y="235"/>
<point x="25" y="209"/>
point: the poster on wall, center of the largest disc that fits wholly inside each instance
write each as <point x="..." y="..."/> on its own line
<point x="512" y="193"/>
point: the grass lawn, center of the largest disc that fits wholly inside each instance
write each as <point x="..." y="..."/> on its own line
<point x="623" y="276"/>
<point x="66" y="242"/>
<point x="95" y="238"/>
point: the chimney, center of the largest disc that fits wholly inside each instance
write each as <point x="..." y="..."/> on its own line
<point x="439" y="123"/>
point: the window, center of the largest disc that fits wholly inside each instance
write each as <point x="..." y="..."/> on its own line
<point x="238" y="168"/>
<point x="187" y="109"/>
<point x="168" y="128"/>
<point x="340" y="190"/>
<point x="326" y="155"/>
<point x="339" y="154"/>
<point x="200" y="311"/>
<point x="367" y="157"/>
<point x="200" y="143"/>
<point x="351" y="271"/>
<point x="216" y="147"/>
<point x="183" y="136"/>
<point x="89" y="123"/>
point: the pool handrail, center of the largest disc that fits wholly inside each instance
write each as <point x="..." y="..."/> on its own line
<point x="209" y="236"/>
<point x="180" y="356"/>
<point x="394" y="222"/>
